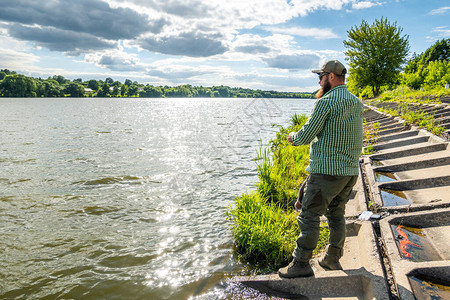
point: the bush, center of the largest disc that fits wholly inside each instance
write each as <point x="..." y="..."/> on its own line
<point x="436" y="74"/>
<point x="412" y="80"/>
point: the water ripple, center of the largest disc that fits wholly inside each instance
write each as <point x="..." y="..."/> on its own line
<point x="130" y="205"/>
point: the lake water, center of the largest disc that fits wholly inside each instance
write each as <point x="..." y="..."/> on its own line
<point x="126" y="198"/>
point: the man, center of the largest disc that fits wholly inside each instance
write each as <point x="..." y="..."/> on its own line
<point x="335" y="133"/>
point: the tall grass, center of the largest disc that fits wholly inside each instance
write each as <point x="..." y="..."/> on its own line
<point x="407" y="94"/>
<point x="403" y="96"/>
<point x="370" y="134"/>
<point x="264" y="222"/>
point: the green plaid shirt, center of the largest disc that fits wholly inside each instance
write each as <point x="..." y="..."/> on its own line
<point x="335" y="132"/>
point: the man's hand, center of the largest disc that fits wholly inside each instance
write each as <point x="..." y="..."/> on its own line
<point x="298" y="205"/>
<point x="291" y="135"/>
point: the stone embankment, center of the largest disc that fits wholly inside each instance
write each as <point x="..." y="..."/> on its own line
<point x="398" y="223"/>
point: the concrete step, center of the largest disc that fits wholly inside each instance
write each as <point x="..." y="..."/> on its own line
<point x="362" y="277"/>
<point x="396" y="136"/>
<point x="419" y="158"/>
<point x="417" y="149"/>
<point x="431" y="263"/>
<point x="424" y="162"/>
<point x="390" y="125"/>
<point x="396" y="129"/>
<point x="430" y="172"/>
<point x="401" y="143"/>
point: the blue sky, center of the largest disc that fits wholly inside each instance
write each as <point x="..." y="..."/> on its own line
<point x="259" y="44"/>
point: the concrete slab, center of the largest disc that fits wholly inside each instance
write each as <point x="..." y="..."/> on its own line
<point x="410" y="254"/>
<point x="423" y="161"/>
<point x="357" y="200"/>
<point x="390" y="131"/>
<point x="389" y="125"/>
<point x="437" y="196"/>
<point x="409" y="151"/>
<point x="395" y="136"/>
<point x="362" y="277"/>
<point x="420" y="144"/>
<point x="410" y="159"/>
<point x="430" y="172"/>
<point x="401" y="142"/>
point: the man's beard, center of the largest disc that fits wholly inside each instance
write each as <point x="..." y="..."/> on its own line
<point x="323" y="90"/>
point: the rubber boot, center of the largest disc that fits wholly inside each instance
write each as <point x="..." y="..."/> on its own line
<point x="330" y="261"/>
<point x="296" y="269"/>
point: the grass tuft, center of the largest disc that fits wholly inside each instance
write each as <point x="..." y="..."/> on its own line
<point x="264" y="223"/>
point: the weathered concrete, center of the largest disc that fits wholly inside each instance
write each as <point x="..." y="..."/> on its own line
<point x="435" y="225"/>
<point x="362" y="277"/>
<point x="419" y="164"/>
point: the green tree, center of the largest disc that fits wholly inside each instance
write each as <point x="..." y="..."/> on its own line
<point x="8" y="72"/>
<point x="109" y="80"/>
<point x="60" y="79"/>
<point x="116" y="91"/>
<point x="223" y="91"/>
<point x="413" y="63"/>
<point x="74" y="89"/>
<point x="103" y="91"/>
<point x="132" y="90"/>
<point x="203" y="92"/>
<point x="2" y="75"/>
<point x="93" y="85"/>
<point x="439" y="51"/>
<point x="17" y="85"/>
<point x="437" y="73"/>
<point x="123" y="90"/>
<point x="376" y="53"/>
<point x="52" y="88"/>
<point x="151" y="92"/>
<point x="128" y="82"/>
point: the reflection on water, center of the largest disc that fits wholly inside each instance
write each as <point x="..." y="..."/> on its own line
<point x="393" y="197"/>
<point x="125" y="198"/>
<point x="384" y="177"/>
<point x="413" y="244"/>
<point x="425" y="288"/>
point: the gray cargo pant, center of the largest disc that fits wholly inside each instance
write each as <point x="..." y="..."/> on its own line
<point x="324" y="195"/>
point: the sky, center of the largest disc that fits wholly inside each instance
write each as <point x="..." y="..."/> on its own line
<point x="258" y="44"/>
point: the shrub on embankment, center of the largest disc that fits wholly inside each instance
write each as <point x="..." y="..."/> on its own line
<point x="405" y="100"/>
<point x="264" y="223"/>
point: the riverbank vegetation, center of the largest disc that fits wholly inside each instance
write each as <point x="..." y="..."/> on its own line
<point x="380" y="71"/>
<point x="425" y="78"/>
<point x="264" y="222"/>
<point x="17" y="85"/>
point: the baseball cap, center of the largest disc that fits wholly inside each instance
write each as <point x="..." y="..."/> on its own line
<point x="332" y="66"/>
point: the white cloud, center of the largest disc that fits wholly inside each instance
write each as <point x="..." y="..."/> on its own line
<point x="254" y="44"/>
<point x="440" y="11"/>
<point x="443" y="32"/>
<point x="116" y="60"/>
<point x="316" y="33"/>
<point x="16" y="60"/>
<point x="303" y="61"/>
<point x="364" y="4"/>
<point x="15" y="54"/>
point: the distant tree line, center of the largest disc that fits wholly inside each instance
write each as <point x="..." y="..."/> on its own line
<point x="18" y="85"/>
